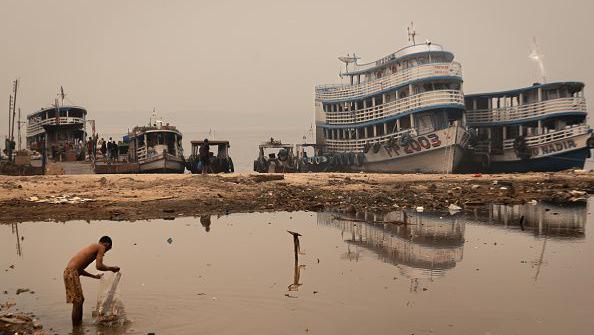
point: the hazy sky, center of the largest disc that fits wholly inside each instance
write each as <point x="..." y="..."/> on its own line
<point x="254" y="64"/>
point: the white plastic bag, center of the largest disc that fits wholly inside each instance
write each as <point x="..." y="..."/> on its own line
<point x="110" y="308"/>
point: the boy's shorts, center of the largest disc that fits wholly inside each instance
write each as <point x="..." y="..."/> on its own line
<point x="74" y="293"/>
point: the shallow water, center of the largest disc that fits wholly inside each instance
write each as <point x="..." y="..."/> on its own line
<point x="482" y="274"/>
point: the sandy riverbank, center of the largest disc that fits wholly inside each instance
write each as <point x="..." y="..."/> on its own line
<point x="132" y="197"/>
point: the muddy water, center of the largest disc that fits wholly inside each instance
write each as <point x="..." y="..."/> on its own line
<point x="481" y="274"/>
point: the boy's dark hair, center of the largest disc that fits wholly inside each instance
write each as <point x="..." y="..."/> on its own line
<point x="105" y="239"/>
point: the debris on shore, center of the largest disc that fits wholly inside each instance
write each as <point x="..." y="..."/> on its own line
<point x="115" y="197"/>
<point x="18" y="322"/>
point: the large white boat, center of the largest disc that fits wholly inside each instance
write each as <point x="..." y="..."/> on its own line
<point x="60" y="130"/>
<point x="401" y="113"/>
<point x="542" y="127"/>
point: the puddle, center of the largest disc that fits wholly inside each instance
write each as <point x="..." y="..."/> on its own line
<point x="487" y="273"/>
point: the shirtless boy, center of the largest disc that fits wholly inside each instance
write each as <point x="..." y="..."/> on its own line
<point x="76" y="268"/>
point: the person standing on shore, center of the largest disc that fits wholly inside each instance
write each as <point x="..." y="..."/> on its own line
<point x="76" y="268"/>
<point x="90" y="148"/>
<point x="203" y="153"/>
<point x="103" y="148"/>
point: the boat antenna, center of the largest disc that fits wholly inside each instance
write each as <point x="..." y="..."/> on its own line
<point x="537" y="56"/>
<point x="348" y="60"/>
<point x="62" y="94"/>
<point x="410" y="30"/>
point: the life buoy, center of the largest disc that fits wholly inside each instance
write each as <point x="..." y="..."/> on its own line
<point x="405" y="139"/>
<point x="521" y="148"/>
<point x="376" y="147"/>
<point x="367" y="147"/>
<point x="391" y="141"/>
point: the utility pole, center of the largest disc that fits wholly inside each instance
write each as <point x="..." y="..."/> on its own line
<point x="19" y="123"/>
<point x="11" y="119"/>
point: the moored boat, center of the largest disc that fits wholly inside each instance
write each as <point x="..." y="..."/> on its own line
<point x="275" y="157"/>
<point x="220" y="162"/>
<point x="538" y="128"/>
<point x="401" y="113"/>
<point x="156" y="148"/>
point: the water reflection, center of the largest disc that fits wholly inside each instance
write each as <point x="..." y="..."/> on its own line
<point x="296" y="267"/>
<point x="19" y="239"/>
<point x="542" y="220"/>
<point x="425" y="246"/>
<point x="205" y="222"/>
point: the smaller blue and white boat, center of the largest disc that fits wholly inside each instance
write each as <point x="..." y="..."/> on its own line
<point x="538" y="128"/>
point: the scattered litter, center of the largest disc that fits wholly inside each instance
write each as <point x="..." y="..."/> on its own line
<point x="453" y="209"/>
<point x="61" y="199"/>
<point x="22" y="290"/>
<point x="477" y="175"/>
<point x="532" y="202"/>
<point x="290" y="296"/>
<point x="170" y="240"/>
<point x="420" y="209"/>
<point x="503" y="188"/>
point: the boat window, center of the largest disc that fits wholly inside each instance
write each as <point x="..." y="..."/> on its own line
<point x="482" y="103"/>
<point x="551" y="94"/>
<point x="423" y="123"/>
<point x="512" y="132"/>
<point x="405" y="123"/>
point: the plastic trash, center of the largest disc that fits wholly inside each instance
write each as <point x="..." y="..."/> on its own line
<point x="110" y="310"/>
<point x="453" y="209"/>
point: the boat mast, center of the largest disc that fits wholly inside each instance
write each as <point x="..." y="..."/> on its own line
<point x="411" y="33"/>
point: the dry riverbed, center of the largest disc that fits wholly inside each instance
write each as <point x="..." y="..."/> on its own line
<point x="133" y="197"/>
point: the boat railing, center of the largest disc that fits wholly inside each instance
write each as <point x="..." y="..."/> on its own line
<point x="141" y="153"/>
<point x="553" y="136"/>
<point x="37" y="127"/>
<point x="514" y="113"/>
<point x="357" y="145"/>
<point x="346" y="91"/>
<point x="417" y="101"/>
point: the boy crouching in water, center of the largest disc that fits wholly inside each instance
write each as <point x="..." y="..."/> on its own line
<point x="76" y="268"/>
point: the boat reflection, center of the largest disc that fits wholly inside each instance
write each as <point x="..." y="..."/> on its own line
<point x="428" y="245"/>
<point x="541" y="220"/>
<point x="425" y="246"/>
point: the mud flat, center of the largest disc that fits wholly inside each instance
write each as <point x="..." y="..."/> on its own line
<point x="132" y="197"/>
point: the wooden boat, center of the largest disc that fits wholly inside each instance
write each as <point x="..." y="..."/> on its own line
<point x="156" y="148"/>
<point x="219" y="163"/>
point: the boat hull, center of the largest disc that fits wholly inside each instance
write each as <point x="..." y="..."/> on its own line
<point x="569" y="153"/>
<point x="162" y="164"/>
<point x="437" y="152"/>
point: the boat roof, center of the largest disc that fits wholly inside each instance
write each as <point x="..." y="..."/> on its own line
<point x="275" y="145"/>
<point x="315" y="145"/>
<point x="164" y="129"/>
<point x="67" y="107"/>
<point x="218" y="142"/>
<point x="576" y="85"/>
<point x="406" y="52"/>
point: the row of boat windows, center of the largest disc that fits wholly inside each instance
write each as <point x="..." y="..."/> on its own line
<point x="533" y="128"/>
<point x="51" y="113"/>
<point x="395" y="68"/>
<point x="400" y="93"/>
<point x="169" y="140"/>
<point x="524" y="98"/>
<point x="422" y="123"/>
